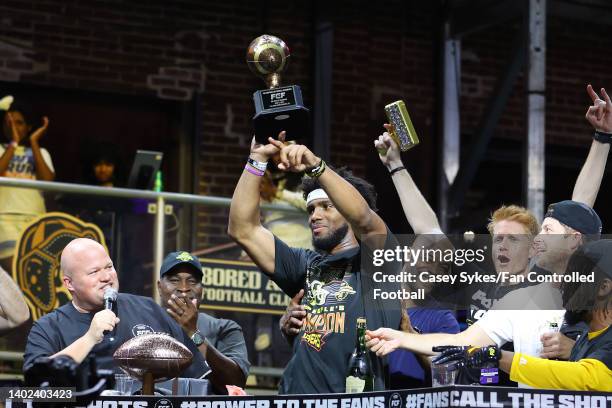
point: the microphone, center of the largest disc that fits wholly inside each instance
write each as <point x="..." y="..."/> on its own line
<point x="110" y="303"/>
<point x="110" y="299"/>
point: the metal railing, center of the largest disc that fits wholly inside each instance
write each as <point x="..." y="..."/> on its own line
<point x="159" y="197"/>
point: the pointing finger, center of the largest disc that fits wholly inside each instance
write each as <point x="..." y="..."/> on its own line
<point x="592" y="93"/>
<point x="607" y="99"/>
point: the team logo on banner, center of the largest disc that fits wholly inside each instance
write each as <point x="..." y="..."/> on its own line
<point x="36" y="262"/>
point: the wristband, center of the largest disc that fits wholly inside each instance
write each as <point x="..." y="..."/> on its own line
<point x="14" y="144"/>
<point x="603" y="137"/>
<point x="262" y="166"/>
<point x="253" y="170"/>
<point x="316" y="171"/>
<point x="395" y="170"/>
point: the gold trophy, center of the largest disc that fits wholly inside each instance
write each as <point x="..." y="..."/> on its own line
<point x="403" y="131"/>
<point x="278" y="107"/>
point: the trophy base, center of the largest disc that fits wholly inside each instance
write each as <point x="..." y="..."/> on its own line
<point x="294" y="121"/>
<point x="280" y="109"/>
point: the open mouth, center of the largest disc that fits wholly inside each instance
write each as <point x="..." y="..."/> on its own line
<point x="503" y="259"/>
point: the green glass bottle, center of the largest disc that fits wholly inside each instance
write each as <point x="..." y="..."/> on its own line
<point x="360" y="376"/>
<point x="158" y="185"/>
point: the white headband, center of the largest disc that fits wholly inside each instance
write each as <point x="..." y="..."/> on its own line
<point x="315" y="195"/>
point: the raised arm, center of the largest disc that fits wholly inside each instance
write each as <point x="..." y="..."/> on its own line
<point x="244" y="219"/>
<point x="13" y="308"/>
<point x="43" y="172"/>
<point x="417" y="210"/>
<point x="348" y="201"/>
<point x="599" y="116"/>
<point x="11" y="128"/>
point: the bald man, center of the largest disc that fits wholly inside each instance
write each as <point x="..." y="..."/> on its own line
<point x="78" y="328"/>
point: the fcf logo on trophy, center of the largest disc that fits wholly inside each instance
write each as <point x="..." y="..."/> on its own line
<point x="278" y="107"/>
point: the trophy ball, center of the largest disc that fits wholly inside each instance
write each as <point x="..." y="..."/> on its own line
<point x="157" y="353"/>
<point x="267" y="54"/>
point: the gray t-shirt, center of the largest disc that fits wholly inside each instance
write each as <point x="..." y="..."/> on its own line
<point x="226" y="336"/>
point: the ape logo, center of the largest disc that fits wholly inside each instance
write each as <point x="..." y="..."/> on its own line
<point x="36" y="261"/>
<point x="315" y="339"/>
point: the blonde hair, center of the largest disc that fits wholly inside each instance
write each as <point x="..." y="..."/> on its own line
<point x="515" y="213"/>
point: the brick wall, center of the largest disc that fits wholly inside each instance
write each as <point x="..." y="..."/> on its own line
<point x="382" y="51"/>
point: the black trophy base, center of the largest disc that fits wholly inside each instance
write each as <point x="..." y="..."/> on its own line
<point x="281" y="109"/>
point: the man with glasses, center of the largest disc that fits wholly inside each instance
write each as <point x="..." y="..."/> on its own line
<point x="220" y="341"/>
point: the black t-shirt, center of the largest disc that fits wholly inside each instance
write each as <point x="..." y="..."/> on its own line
<point x="138" y="315"/>
<point x="599" y="348"/>
<point x="337" y="292"/>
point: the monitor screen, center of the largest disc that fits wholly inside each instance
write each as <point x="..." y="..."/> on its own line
<point x="146" y="164"/>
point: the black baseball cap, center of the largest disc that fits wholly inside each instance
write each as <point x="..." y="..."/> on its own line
<point x="180" y="258"/>
<point x="576" y="215"/>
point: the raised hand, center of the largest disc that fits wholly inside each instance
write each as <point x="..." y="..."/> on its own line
<point x="38" y="133"/>
<point x="383" y="341"/>
<point x="264" y="152"/>
<point x="293" y="319"/>
<point x="295" y="158"/>
<point x="388" y="151"/>
<point x="15" y="136"/>
<point x="599" y="114"/>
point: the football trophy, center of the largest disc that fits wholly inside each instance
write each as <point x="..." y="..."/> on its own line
<point x="278" y="107"/>
<point x="151" y="358"/>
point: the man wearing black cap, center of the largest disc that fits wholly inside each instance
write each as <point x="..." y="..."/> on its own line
<point x="220" y="341"/>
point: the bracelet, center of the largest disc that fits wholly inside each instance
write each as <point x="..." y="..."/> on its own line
<point x="258" y="165"/>
<point x="395" y="170"/>
<point x="603" y="137"/>
<point x="14" y="144"/>
<point x="253" y="170"/>
<point x="316" y="171"/>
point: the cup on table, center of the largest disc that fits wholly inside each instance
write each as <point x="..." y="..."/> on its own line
<point x="123" y="384"/>
<point x="442" y="374"/>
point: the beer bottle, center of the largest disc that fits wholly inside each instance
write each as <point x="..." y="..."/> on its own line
<point x="360" y="376"/>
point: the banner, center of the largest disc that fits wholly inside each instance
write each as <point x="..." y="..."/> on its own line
<point x="240" y="286"/>
<point x="36" y="262"/>
<point x="454" y="396"/>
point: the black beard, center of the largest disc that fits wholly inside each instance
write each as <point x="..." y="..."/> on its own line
<point x="330" y="241"/>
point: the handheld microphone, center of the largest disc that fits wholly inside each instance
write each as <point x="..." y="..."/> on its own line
<point x="110" y="299"/>
<point x="110" y="303"/>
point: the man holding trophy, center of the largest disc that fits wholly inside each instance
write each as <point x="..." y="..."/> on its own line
<point x="337" y="292"/>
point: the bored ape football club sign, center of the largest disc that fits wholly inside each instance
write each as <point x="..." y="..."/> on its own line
<point x="36" y="261"/>
<point x="240" y="286"/>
